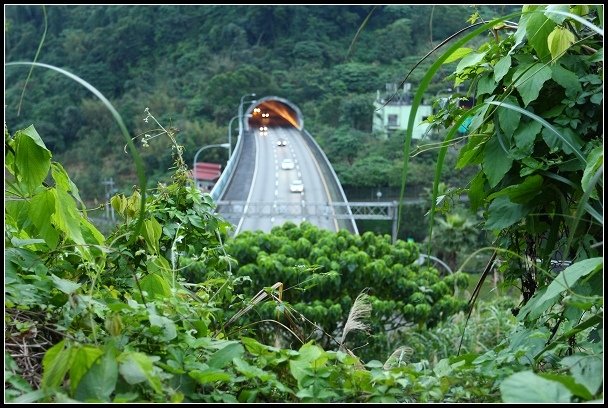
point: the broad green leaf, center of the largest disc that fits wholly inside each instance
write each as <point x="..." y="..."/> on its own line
<point x="534" y="308"/>
<point x="247" y="395"/>
<point x="598" y="56"/>
<point x="503" y="213"/>
<point x="486" y="85"/>
<point x="502" y="67"/>
<point x="549" y="131"/>
<point x="151" y="233"/>
<point x="559" y="41"/>
<point x="210" y="376"/>
<point x="523" y="192"/>
<point x="508" y="118"/>
<point x="528" y="342"/>
<point x="136" y="367"/>
<point x="527" y="387"/>
<point x="456" y="55"/>
<point x="250" y="371"/>
<point x="66" y="286"/>
<point x="530" y="79"/>
<point x="525" y="135"/>
<point x="222" y="357"/>
<point x="520" y="33"/>
<point x="56" y="363"/>
<point x="570" y="275"/>
<point x="595" y="160"/>
<point x="84" y="357"/>
<point x="538" y="28"/>
<point x="587" y="370"/>
<point x="67" y="217"/>
<point x="156" y="286"/>
<point x="568" y="141"/>
<point x="119" y="203"/>
<point x="496" y="161"/>
<point x="32" y="396"/>
<point x="33" y="159"/>
<point x="17" y="242"/>
<point x="311" y="356"/>
<point x="42" y="207"/>
<point x="476" y="191"/>
<point x="480" y="116"/>
<point x="160" y="266"/>
<point x="318" y="394"/>
<point x="442" y="368"/>
<point x="255" y="347"/>
<point x="17" y="213"/>
<point x="99" y="381"/>
<point x="469" y="60"/>
<point x="22" y="258"/>
<point x="133" y="205"/>
<point x="91" y="232"/>
<point x="570" y="383"/>
<point x="62" y="181"/>
<point x="166" y="324"/>
<point x="568" y="80"/>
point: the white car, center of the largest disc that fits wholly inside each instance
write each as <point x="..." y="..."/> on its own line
<point x="287" y="164"/>
<point x="281" y="142"/>
<point x="296" y="186"/>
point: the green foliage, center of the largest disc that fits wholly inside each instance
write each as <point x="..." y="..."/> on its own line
<point x="145" y="315"/>
<point x="323" y="272"/>
<point x="198" y="54"/>
<point x="534" y="135"/>
<point x="126" y="326"/>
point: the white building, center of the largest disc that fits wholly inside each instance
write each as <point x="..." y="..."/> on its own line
<point x="394" y="115"/>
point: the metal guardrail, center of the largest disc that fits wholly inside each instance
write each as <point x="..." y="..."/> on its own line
<point x="368" y="210"/>
<point x="218" y="189"/>
<point x="336" y="190"/>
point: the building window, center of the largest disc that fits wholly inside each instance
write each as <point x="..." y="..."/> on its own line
<point x="392" y="120"/>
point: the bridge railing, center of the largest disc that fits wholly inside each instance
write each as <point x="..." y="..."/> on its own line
<point x="343" y="213"/>
<point x="311" y="211"/>
<point x="218" y="189"/>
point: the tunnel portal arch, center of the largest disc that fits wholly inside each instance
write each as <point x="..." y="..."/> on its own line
<point x="273" y="111"/>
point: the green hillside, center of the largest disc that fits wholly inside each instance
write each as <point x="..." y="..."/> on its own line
<point x="191" y="64"/>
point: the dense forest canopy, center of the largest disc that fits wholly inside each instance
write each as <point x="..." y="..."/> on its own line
<point x="191" y="64"/>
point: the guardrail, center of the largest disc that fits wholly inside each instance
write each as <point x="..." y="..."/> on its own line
<point x="218" y="188"/>
<point x="336" y="191"/>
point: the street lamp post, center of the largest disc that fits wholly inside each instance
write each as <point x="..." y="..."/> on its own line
<point x="230" y="133"/>
<point x="224" y="145"/>
<point x="241" y="112"/>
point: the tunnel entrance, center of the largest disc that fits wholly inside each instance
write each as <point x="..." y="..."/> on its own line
<point x="273" y="111"/>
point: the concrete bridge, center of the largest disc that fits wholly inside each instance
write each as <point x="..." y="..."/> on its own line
<point x="256" y="190"/>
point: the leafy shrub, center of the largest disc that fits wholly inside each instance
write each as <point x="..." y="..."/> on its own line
<point x="322" y="272"/>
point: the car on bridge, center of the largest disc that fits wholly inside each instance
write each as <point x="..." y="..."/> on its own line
<point x="287" y="164"/>
<point x="281" y="142"/>
<point x="296" y="186"/>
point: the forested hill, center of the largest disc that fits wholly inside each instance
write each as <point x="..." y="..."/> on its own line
<point x="191" y="64"/>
